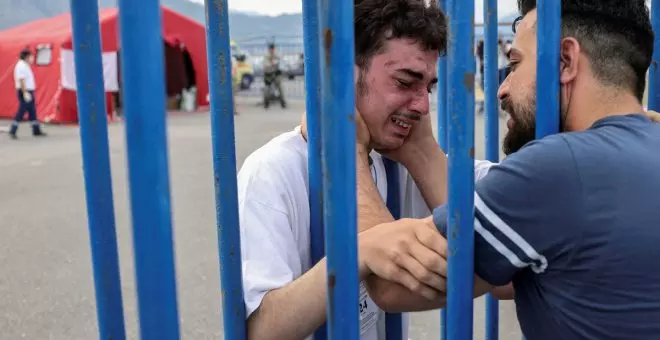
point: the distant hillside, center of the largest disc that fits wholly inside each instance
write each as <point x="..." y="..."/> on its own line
<point x="243" y="26"/>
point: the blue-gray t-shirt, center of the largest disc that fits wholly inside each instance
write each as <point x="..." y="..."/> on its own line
<point x="573" y="220"/>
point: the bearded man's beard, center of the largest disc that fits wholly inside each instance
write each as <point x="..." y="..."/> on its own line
<point x="524" y="127"/>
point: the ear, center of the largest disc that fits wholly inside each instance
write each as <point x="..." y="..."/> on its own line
<point x="569" y="60"/>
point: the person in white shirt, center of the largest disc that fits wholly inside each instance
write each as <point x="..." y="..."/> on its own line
<point x="398" y="43"/>
<point x="25" y="87"/>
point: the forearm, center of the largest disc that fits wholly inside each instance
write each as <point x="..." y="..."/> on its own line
<point x="428" y="167"/>
<point x="372" y="210"/>
<point x="294" y="311"/>
<point x="22" y="82"/>
<point x="504" y="292"/>
<point x="394" y="298"/>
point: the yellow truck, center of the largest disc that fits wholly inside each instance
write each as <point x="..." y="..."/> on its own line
<point x="244" y="70"/>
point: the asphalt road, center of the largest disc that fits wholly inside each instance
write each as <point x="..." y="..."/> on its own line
<point x="46" y="287"/>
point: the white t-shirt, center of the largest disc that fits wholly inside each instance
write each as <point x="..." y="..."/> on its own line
<point x="23" y="71"/>
<point x="274" y="221"/>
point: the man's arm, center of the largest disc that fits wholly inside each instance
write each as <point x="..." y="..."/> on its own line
<point x="372" y="211"/>
<point x="297" y="309"/>
<point x="428" y="168"/>
<point x="525" y="218"/>
<point x="294" y="311"/>
<point x="527" y="212"/>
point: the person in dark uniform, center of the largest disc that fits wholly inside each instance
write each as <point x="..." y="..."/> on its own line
<point x="25" y="87"/>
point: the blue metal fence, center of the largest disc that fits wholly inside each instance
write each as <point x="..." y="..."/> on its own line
<point x="224" y="167"/>
<point x="142" y="59"/>
<point x="329" y="64"/>
<point x="492" y="130"/>
<point x="96" y="164"/>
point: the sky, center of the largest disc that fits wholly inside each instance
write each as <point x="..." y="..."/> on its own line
<point x="276" y="7"/>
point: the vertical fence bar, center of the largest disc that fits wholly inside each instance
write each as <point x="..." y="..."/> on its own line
<point x="442" y="91"/>
<point x="442" y="133"/>
<point x="144" y="102"/>
<point x="339" y="180"/>
<point x="224" y="167"/>
<point x="460" y="231"/>
<point x="312" y="49"/>
<point x="547" y="66"/>
<point x="491" y="84"/>
<point x="653" y="94"/>
<point x="96" y="164"/>
<point x="393" y="321"/>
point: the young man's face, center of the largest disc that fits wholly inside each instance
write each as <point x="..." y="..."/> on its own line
<point x="393" y="93"/>
<point x="518" y="91"/>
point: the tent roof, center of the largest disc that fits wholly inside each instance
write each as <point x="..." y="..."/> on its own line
<point x="54" y="29"/>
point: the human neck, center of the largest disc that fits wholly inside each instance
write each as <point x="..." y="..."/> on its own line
<point x="597" y="105"/>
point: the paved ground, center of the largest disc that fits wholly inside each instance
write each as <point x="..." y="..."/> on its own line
<point x="46" y="288"/>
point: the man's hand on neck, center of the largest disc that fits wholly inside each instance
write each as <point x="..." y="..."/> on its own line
<point x="362" y="138"/>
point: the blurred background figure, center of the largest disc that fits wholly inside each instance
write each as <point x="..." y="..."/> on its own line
<point x="25" y="87"/>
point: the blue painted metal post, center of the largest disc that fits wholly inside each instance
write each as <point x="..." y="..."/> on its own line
<point x="312" y="48"/>
<point x="144" y="103"/>
<point x="96" y="165"/>
<point x="442" y="92"/>
<point x="224" y="167"/>
<point x="654" y="75"/>
<point x="393" y="321"/>
<point x="442" y="134"/>
<point x="339" y="180"/>
<point x="460" y="231"/>
<point x="491" y="85"/>
<point x="547" y="66"/>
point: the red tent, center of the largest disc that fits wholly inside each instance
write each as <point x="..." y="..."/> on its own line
<point x="50" y="40"/>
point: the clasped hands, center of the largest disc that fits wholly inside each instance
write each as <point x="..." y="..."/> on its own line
<point x="409" y="252"/>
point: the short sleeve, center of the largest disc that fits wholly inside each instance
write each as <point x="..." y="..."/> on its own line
<point x="527" y="211"/>
<point x="269" y="251"/>
<point x="20" y="71"/>
<point x="481" y="169"/>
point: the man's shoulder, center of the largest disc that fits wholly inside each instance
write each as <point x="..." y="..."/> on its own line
<point x="285" y="150"/>
<point x="280" y="159"/>
<point x="546" y="160"/>
<point x="20" y="65"/>
<point x="543" y="152"/>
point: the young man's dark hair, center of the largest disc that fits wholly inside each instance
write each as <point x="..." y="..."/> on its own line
<point x="615" y="34"/>
<point x="24" y="54"/>
<point x="377" y="21"/>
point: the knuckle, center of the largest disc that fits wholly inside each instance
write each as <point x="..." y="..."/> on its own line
<point x="426" y="276"/>
<point x="402" y="245"/>
<point x="426" y="236"/>
<point x="391" y="272"/>
<point x="434" y="262"/>
<point x="416" y="286"/>
<point x="395" y="255"/>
